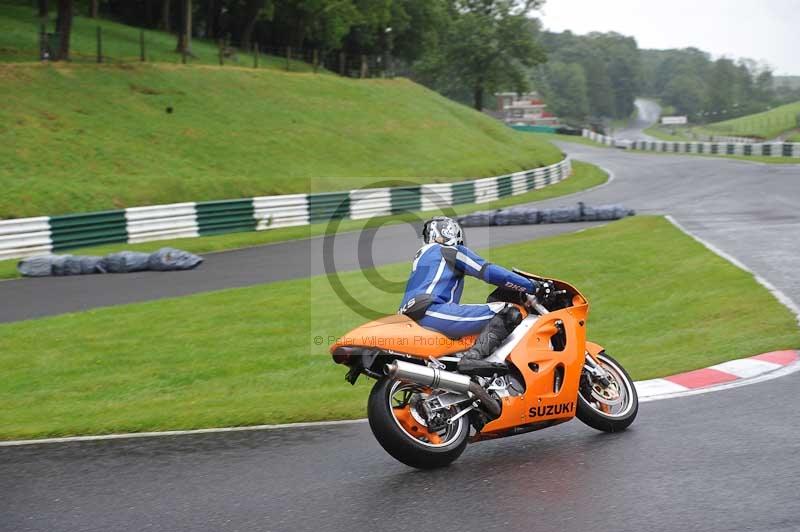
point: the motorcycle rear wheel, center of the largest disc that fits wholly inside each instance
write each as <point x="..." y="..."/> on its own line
<point x="600" y="416"/>
<point x="402" y="433"/>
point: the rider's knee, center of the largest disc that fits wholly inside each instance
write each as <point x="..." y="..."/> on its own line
<point x="511" y="317"/>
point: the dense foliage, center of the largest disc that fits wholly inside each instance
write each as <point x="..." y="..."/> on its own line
<point x="597" y="75"/>
<point x="710" y="90"/>
<point x="467" y="49"/>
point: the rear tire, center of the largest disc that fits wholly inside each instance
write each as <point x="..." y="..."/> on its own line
<point x="610" y="422"/>
<point x="398" y="443"/>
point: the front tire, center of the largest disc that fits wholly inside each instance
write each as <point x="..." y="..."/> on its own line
<point x="422" y="450"/>
<point x="595" y="410"/>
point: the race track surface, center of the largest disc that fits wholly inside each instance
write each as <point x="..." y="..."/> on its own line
<point x="749" y="210"/>
<point x="647" y="114"/>
<point x="705" y="463"/>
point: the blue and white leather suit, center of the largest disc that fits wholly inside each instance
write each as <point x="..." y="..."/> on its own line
<point x="438" y="271"/>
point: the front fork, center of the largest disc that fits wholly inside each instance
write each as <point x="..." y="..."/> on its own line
<point x="595" y="371"/>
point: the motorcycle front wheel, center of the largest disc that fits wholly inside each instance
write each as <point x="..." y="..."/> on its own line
<point x="402" y="431"/>
<point x="611" y="407"/>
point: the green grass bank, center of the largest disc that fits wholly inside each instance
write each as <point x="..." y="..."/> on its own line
<point x="236" y="357"/>
<point x="78" y="138"/>
<point x="766" y="125"/>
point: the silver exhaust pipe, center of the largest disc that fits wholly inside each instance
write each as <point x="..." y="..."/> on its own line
<point x="425" y="376"/>
<point x="443" y="380"/>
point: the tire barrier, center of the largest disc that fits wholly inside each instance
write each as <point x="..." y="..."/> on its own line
<point x="530" y="216"/>
<point x="165" y="259"/>
<point x="26" y="237"/>
<point x="765" y="149"/>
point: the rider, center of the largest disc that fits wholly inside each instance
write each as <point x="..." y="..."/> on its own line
<point x="434" y="290"/>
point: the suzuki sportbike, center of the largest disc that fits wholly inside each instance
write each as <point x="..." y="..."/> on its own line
<point x="423" y="412"/>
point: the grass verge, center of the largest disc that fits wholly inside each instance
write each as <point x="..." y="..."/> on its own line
<point x="658" y="132"/>
<point x="249" y="356"/>
<point x="585" y="176"/>
<point x="575" y="139"/>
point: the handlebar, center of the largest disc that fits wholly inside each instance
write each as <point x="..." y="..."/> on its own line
<point x="533" y="302"/>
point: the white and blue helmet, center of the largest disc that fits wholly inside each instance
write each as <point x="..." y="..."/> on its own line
<point x="442" y="230"/>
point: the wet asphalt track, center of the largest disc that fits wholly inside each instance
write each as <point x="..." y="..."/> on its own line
<point x="647" y="113"/>
<point x="725" y="461"/>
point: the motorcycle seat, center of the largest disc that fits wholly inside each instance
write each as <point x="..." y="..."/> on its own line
<point x="400" y="334"/>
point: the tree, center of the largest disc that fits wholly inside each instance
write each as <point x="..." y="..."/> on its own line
<point x="563" y="85"/>
<point x="185" y="33"/>
<point x="722" y="86"/>
<point x="44" y="9"/>
<point x="93" y="8"/>
<point x="416" y="27"/>
<point x="213" y="13"/>
<point x="488" y="45"/>
<point x="253" y="9"/>
<point x="687" y="94"/>
<point x="64" y="28"/>
<point x="166" y="8"/>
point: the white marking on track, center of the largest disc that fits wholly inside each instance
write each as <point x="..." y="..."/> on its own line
<point x="777" y="293"/>
<point x="785" y="370"/>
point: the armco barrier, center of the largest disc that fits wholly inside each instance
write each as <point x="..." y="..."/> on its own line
<point x="765" y="149"/>
<point x="31" y="236"/>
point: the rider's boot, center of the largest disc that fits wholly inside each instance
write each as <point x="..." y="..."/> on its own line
<point x="499" y="327"/>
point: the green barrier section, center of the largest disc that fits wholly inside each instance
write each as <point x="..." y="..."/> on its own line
<point x="504" y="186"/>
<point x="787" y="150"/>
<point x="766" y="149"/>
<point x="463" y="193"/>
<point x="79" y="230"/>
<point x="406" y="199"/>
<point x="328" y="206"/>
<point x="530" y="180"/>
<point x="748" y="149"/>
<point x="548" y="178"/>
<point x="536" y="129"/>
<point x="729" y="149"/>
<point x="226" y="216"/>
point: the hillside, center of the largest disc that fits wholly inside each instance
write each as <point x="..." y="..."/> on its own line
<point x="78" y="137"/>
<point x="766" y="125"/>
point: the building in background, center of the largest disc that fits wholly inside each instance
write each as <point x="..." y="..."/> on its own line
<point x="524" y="110"/>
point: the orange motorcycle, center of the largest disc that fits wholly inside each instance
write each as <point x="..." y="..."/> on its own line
<point x="423" y="411"/>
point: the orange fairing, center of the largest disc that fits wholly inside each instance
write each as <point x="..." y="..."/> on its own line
<point x="538" y="363"/>
<point x="401" y="334"/>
